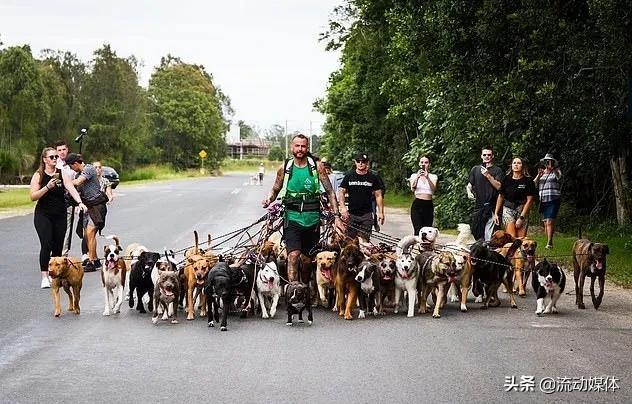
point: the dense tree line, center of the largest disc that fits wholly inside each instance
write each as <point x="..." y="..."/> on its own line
<point x="52" y="97"/>
<point x="447" y="77"/>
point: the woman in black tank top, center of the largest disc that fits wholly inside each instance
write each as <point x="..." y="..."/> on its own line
<point x="47" y="188"/>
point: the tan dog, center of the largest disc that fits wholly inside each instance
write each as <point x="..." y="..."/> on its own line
<point x="434" y="272"/>
<point x="524" y="264"/>
<point x="589" y="260"/>
<point x="325" y="275"/>
<point x="66" y="272"/>
<point x="195" y="273"/>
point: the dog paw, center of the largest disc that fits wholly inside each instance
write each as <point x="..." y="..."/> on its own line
<point x="554" y="310"/>
<point x="463" y="308"/>
<point x="436" y="316"/>
<point x="223" y="328"/>
<point x="309" y="322"/>
<point x="288" y="324"/>
<point x="107" y="313"/>
<point x="264" y="315"/>
<point x="335" y="308"/>
<point x="191" y="317"/>
<point x="410" y="315"/>
<point x="547" y="311"/>
<point x="301" y="321"/>
<point x="211" y="324"/>
<point x="479" y="299"/>
<point x="361" y="314"/>
<point x="581" y="306"/>
<point x="453" y="299"/>
<point x="272" y="313"/>
<point x="349" y="317"/>
<point x="395" y="311"/>
<point x="514" y="306"/>
<point x="538" y="313"/>
<point x="57" y="314"/>
<point x="174" y="321"/>
<point x="154" y="320"/>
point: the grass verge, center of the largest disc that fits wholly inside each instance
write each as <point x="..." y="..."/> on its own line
<point x="249" y="166"/>
<point x="11" y="198"/>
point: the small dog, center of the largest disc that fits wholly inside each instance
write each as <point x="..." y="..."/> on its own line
<point x="368" y="278"/>
<point x="325" y="275"/>
<point x="548" y="281"/>
<point x="589" y="259"/>
<point x="407" y="274"/>
<point x="218" y="290"/>
<point x="166" y="291"/>
<point x="140" y="280"/>
<point x="66" y="272"/>
<point x="435" y="269"/>
<point x="297" y="298"/>
<point x="268" y="288"/>
<point x="113" y="277"/>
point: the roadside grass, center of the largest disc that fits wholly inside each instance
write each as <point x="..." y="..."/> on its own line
<point x="11" y="198"/>
<point x="156" y="172"/>
<point x="249" y="165"/>
<point x="398" y="200"/>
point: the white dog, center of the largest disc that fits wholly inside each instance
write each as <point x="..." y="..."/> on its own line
<point x="407" y="274"/>
<point x="427" y="237"/>
<point x="268" y="287"/>
<point x="113" y="276"/>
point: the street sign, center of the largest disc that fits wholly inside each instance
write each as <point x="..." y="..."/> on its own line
<point x="202" y="154"/>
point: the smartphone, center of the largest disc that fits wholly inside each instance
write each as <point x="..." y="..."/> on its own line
<point x="56" y="178"/>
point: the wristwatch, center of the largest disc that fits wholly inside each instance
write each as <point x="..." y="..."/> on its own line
<point x="521" y="217"/>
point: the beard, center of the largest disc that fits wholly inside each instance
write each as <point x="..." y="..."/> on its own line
<point x="299" y="154"/>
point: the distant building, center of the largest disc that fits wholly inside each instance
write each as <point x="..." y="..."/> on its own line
<point x="248" y="148"/>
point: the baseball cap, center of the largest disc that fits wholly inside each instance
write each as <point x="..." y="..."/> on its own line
<point x="362" y="156"/>
<point x="73" y="158"/>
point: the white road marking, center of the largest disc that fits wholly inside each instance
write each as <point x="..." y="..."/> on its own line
<point x="235" y="191"/>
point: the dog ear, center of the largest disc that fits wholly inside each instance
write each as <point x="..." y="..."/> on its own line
<point x="606" y="250"/>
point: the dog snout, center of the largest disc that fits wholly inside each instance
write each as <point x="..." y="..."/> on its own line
<point x="271" y="279"/>
<point x="359" y="278"/>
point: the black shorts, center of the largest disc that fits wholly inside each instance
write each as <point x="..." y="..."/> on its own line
<point x="300" y="238"/>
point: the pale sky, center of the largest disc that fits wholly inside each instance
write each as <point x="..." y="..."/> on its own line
<point x="264" y="54"/>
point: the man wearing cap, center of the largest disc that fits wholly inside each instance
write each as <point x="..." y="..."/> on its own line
<point x="548" y="183"/>
<point x="298" y="183"/>
<point x="361" y="185"/>
<point x="87" y="182"/>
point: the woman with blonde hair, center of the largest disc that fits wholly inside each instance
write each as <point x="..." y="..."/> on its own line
<point x="47" y="188"/>
<point x="516" y="196"/>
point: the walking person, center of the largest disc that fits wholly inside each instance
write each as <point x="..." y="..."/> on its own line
<point x="361" y="185"/>
<point x="548" y="182"/>
<point x="106" y="187"/>
<point x="93" y="220"/>
<point x="516" y="196"/>
<point x="298" y="183"/>
<point x="260" y="171"/>
<point x="484" y="183"/>
<point x="47" y="188"/>
<point x="423" y="184"/>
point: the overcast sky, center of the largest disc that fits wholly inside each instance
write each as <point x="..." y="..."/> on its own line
<point x="264" y="54"/>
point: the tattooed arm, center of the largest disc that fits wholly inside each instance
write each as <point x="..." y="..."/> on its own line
<point x="276" y="188"/>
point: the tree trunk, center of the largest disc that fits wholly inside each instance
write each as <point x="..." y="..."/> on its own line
<point x="621" y="183"/>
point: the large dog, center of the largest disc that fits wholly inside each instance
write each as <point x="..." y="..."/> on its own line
<point x="549" y="281"/>
<point x="346" y="286"/>
<point x="166" y="291"/>
<point x="490" y="270"/>
<point x="589" y="259"/>
<point x="66" y="272"/>
<point x="407" y="274"/>
<point x="325" y="276"/>
<point x="524" y="264"/>
<point x="461" y="280"/>
<point x="435" y="269"/>
<point x="140" y="280"/>
<point x="387" y="271"/>
<point x="130" y="256"/>
<point x="369" y="279"/>
<point x="195" y="275"/>
<point x="297" y="298"/>
<point x="268" y="288"/>
<point x="113" y="277"/>
<point x="218" y="291"/>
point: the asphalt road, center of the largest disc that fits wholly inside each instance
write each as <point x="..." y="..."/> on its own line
<point x="460" y="357"/>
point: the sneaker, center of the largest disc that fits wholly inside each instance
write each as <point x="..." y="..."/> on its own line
<point x="549" y="246"/>
<point x="45" y="283"/>
<point x="97" y="263"/>
<point x="89" y="267"/>
<point x="85" y="259"/>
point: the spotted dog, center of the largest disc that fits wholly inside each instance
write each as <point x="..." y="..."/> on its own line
<point x="297" y="299"/>
<point x="113" y="276"/>
<point x="369" y="279"/>
<point x="548" y="281"/>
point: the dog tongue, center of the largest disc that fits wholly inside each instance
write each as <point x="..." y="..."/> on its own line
<point x="167" y="292"/>
<point x="599" y="264"/>
<point x="111" y="264"/>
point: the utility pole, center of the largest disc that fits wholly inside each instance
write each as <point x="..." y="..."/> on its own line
<point x="286" y="145"/>
<point x="311" y="140"/>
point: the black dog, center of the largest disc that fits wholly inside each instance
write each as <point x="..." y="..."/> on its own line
<point x="218" y="291"/>
<point x="548" y="280"/>
<point x="369" y="280"/>
<point x="140" y="280"/>
<point x="242" y="280"/>
<point x="489" y="269"/>
<point x="297" y="298"/>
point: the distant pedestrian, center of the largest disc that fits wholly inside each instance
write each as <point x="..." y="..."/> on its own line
<point x="516" y="196"/>
<point x="423" y="184"/>
<point x="484" y="183"/>
<point x="47" y="188"/>
<point x="260" y="173"/>
<point x="550" y="191"/>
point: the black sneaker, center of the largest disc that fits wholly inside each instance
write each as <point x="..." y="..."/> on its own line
<point x="89" y="267"/>
<point x="97" y="263"/>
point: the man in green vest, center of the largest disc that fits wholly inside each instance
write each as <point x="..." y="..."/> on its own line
<point x="298" y="183"/>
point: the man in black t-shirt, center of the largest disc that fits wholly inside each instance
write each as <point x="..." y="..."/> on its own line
<point x="484" y="183"/>
<point x="361" y="185"/>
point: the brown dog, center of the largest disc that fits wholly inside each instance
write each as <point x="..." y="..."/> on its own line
<point x="66" y="272"/>
<point x="435" y="271"/>
<point x="524" y="264"/>
<point x="346" y="286"/>
<point x="325" y="275"/>
<point x="195" y="273"/>
<point x="589" y="259"/>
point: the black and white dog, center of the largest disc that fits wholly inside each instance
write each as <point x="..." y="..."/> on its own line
<point x="297" y="298"/>
<point x="369" y="280"/>
<point x="140" y="280"/>
<point x="218" y="291"/>
<point x="549" y="281"/>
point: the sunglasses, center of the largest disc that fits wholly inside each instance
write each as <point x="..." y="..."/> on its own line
<point x="53" y="157"/>
<point x="361" y="161"/>
<point x="487" y="155"/>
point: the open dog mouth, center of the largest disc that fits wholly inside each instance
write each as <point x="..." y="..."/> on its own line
<point x="110" y="264"/>
<point x="326" y="273"/>
<point x="599" y="264"/>
<point x="167" y="291"/>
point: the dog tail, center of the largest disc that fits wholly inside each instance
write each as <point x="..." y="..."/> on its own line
<point x="513" y="248"/>
<point x="115" y="238"/>
<point x="196" y="243"/>
<point x="406" y="243"/>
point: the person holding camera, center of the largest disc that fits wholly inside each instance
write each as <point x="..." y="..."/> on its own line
<point x="484" y="183"/>
<point x="516" y="195"/>
<point x="47" y="188"/>
<point x="423" y="184"/>
<point x="549" y="189"/>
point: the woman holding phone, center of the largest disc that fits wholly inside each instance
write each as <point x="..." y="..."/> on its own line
<point x="424" y="185"/>
<point x="47" y="188"/>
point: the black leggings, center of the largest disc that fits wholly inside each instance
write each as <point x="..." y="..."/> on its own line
<point x="421" y="214"/>
<point x="50" y="230"/>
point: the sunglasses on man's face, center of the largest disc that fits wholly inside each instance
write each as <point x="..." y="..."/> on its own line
<point x="53" y="157"/>
<point x="361" y="161"/>
<point x="487" y="155"/>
